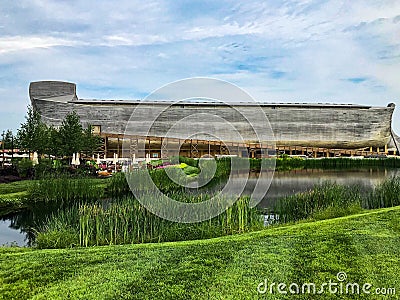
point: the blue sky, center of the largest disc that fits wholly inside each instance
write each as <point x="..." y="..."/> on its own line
<point x="278" y="51"/>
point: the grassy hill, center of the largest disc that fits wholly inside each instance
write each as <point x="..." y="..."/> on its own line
<point x="366" y="247"/>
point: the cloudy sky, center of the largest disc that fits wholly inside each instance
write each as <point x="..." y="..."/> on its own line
<point x="278" y="51"/>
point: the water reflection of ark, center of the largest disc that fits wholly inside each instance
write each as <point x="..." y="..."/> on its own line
<point x="287" y="183"/>
<point x="19" y="227"/>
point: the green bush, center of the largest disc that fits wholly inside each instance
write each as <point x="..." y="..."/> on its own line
<point x="25" y="168"/>
<point x="44" y="168"/>
<point x="191" y="170"/>
<point x="189" y="161"/>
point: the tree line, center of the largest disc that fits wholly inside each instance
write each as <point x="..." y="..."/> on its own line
<point x="35" y="136"/>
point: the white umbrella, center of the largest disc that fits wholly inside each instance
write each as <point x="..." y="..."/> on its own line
<point x="98" y="159"/>
<point x="73" y="162"/>
<point x="115" y="160"/>
<point x="148" y="158"/>
<point x="35" y="160"/>
<point x="77" y="161"/>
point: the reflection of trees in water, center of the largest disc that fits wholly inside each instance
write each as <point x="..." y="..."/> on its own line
<point x="30" y="219"/>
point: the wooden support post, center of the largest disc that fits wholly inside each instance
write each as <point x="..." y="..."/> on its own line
<point x="386" y="149"/>
<point x="105" y="146"/>
<point x="118" y="147"/>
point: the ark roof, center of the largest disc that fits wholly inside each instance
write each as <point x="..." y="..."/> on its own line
<point x="216" y="103"/>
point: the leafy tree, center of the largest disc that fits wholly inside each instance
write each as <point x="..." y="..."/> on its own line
<point x="53" y="147"/>
<point x="8" y="139"/>
<point x="33" y="134"/>
<point x="70" y="135"/>
<point x="91" y="142"/>
<point x="70" y="138"/>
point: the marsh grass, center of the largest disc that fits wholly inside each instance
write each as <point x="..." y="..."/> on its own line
<point x="327" y="200"/>
<point x="117" y="185"/>
<point x="126" y="221"/>
<point x="331" y="200"/>
<point x="386" y="194"/>
<point x="65" y="189"/>
<point x="286" y="162"/>
<point x="60" y="230"/>
<point x="345" y="163"/>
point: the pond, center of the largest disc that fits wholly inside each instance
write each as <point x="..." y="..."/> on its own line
<point x="287" y="183"/>
<point x="17" y="228"/>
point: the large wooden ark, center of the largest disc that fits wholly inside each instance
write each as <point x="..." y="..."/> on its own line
<point x="296" y="126"/>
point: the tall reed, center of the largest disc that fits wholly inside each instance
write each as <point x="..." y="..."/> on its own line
<point x="309" y="204"/>
<point x="126" y="221"/>
<point x="287" y="163"/>
<point x="386" y="194"/>
<point x="60" y="230"/>
<point x="65" y="189"/>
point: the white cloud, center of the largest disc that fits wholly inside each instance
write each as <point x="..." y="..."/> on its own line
<point x="18" y="43"/>
<point x="279" y="50"/>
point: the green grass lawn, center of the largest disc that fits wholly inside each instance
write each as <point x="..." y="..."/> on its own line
<point x="24" y="185"/>
<point x="15" y="187"/>
<point x="365" y="246"/>
<point x="13" y="196"/>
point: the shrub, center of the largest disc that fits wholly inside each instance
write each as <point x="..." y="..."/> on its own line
<point x="25" y="168"/>
<point x="44" y="168"/>
<point x="189" y="161"/>
<point x="191" y="170"/>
